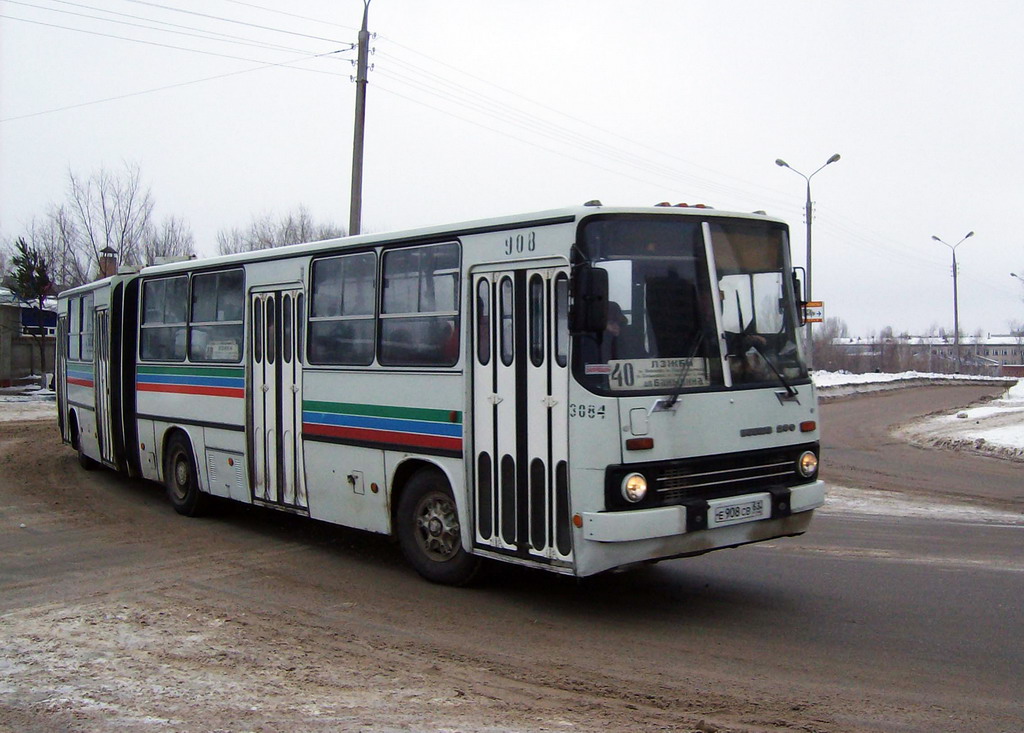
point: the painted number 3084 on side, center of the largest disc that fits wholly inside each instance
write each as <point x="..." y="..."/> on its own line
<point x="591" y="412"/>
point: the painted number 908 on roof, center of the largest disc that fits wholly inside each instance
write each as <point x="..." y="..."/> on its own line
<point x="517" y="244"/>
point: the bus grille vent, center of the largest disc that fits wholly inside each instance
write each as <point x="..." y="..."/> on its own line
<point x="680" y="483"/>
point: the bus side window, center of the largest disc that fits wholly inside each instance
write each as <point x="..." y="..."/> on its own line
<point x="164" y="303"/>
<point x="215" y="323"/>
<point x="75" y="329"/>
<point x="342" y="305"/>
<point x="419" y="309"/>
<point x="87" y="326"/>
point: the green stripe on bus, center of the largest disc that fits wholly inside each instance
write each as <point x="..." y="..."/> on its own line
<point x="408" y="413"/>
<point x="194" y="371"/>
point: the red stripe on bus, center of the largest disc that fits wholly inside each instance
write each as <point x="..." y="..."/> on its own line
<point x="80" y="382"/>
<point x="191" y="389"/>
<point x="384" y="436"/>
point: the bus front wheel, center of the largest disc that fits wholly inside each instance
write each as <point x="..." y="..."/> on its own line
<point x="181" y="479"/>
<point x="429" y="531"/>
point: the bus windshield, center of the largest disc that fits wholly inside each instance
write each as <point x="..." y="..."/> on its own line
<point x="662" y="336"/>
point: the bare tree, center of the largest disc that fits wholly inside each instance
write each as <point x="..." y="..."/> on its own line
<point x="171" y="239"/>
<point x="56" y="237"/>
<point x="266" y="232"/>
<point x="829" y="354"/>
<point x="106" y="209"/>
<point x="109" y="210"/>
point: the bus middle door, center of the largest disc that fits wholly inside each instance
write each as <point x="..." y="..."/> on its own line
<point x="275" y="398"/>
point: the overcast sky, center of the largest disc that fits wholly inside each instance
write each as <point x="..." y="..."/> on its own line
<point x="477" y="109"/>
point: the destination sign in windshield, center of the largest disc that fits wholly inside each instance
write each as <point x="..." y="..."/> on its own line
<point x="628" y="375"/>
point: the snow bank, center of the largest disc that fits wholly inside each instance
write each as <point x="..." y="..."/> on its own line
<point x="13" y="407"/>
<point x="996" y="428"/>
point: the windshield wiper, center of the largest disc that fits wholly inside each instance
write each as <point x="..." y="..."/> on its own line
<point x="674" y="397"/>
<point x="790" y="391"/>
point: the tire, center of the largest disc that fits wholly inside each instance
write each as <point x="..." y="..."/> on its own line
<point x="182" y="480"/>
<point x="429" y="532"/>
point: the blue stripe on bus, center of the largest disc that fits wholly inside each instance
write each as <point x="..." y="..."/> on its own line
<point x="198" y="381"/>
<point x="384" y="423"/>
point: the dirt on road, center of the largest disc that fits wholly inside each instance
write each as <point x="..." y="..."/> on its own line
<point x="117" y="614"/>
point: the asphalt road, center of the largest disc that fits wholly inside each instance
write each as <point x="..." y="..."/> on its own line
<point x="115" y="613"/>
<point x="859" y="450"/>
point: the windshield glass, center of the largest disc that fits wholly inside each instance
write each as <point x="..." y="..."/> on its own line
<point x="758" y="309"/>
<point x="661" y="336"/>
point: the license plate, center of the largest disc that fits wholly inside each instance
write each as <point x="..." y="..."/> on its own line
<point x="739" y="509"/>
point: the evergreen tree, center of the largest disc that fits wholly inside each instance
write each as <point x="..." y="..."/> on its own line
<point x="30" y="281"/>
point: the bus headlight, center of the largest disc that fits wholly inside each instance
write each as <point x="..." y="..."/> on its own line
<point x="634" y="488"/>
<point x="807" y="464"/>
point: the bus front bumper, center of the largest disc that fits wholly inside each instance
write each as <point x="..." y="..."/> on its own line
<point x="648" y="524"/>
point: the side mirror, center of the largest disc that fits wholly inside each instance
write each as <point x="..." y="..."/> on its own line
<point x="590" y="299"/>
<point x="798" y="293"/>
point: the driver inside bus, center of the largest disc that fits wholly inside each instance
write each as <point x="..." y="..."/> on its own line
<point x="600" y="348"/>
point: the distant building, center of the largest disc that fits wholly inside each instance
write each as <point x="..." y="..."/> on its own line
<point x="993" y="354"/>
<point x="20" y="326"/>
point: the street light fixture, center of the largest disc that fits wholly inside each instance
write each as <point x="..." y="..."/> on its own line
<point x="808" y="210"/>
<point x="956" y="308"/>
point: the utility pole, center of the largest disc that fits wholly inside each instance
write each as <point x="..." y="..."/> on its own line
<point x="356" y="205"/>
<point x="956" y="305"/>
<point x="808" y="214"/>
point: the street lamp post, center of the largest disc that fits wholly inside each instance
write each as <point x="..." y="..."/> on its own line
<point x="808" y="211"/>
<point x="956" y="307"/>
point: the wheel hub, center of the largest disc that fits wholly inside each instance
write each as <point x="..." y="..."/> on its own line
<point x="438" y="527"/>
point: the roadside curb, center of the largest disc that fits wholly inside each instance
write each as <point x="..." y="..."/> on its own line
<point x="843" y="391"/>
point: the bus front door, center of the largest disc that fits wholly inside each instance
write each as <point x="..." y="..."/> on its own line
<point x="275" y="399"/>
<point x="520" y="412"/>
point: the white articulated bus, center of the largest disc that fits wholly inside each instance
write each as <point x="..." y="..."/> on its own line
<point x="575" y="390"/>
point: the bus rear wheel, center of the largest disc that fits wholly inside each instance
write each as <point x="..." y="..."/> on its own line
<point x="429" y="531"/>
<point x="181" y="479"/>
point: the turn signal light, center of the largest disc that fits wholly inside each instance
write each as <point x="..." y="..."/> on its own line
<point x="639" y="443"/>
<point x="808" y="426"/>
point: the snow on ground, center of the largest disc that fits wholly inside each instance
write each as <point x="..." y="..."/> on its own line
<point x="873" y="502"/>
<point x="845" y="379"/>
<point x="996" y="428"/>
<point x="22" y="403"/>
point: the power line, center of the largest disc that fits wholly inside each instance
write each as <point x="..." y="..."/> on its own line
<point x="444" y="88"/>
<point x="555" y="151"/>
<point x="161" y="45"/>
<point x="285" y="64"/>
<point x="232" y="20"/>
<point x="290" y="15"/>
<point x="579" y="120"/>
<point x="202" y="33"/>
